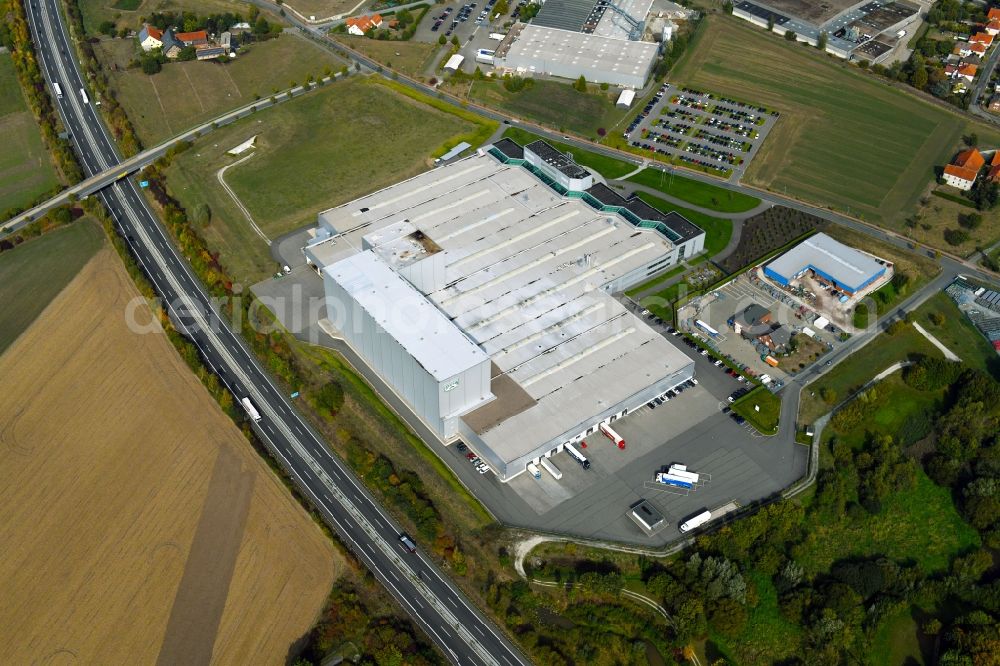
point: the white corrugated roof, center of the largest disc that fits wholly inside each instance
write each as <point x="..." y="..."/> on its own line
<point x="454" y="62"/>
<point x="405" y="314"/>
<point x="844" y="264"/>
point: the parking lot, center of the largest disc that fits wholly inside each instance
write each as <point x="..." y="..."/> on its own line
<point x="472" y="23"/>
<point x="692" y="428"/>
<point x="701" y="129"/>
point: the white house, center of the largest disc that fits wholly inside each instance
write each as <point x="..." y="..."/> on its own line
<point x="150" y="38"/>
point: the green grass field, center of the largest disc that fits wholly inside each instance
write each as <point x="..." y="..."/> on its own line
<point x="718" y="230"/>
<point x="312" y="153"/>
<point x="761" y="408"/>
<point x="850" y="375"/>
<point x="553" y="104"/>
<point x="187" y="93"/>
<point x="958" y="334"/>
<point x="410" y="58"/>
<point x="26" y="170"/>
<point x="920" y="524"/>
<point x="695" y="192"/>
<point x="841" y="139"/>
<point x="897" y="641"/>
<point x="33" y="273"/>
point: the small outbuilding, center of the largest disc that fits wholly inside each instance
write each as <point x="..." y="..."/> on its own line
<point x="454" y="62"/>
<point x="626" y="98"/>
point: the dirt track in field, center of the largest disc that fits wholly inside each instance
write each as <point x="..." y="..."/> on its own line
<point x="137" y="524"/>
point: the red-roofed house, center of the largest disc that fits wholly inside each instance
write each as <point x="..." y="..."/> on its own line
<point x="994" y="14"/>
<point x="993" y="27"/>
<point x="994" y="173"/>
<point x="197" y="38"/>
<point x="150" y="38"/>
<point x="967" y="72"/>
<point x="978" y="48"/>
<point x="359" y="25"/>
<point x="962" y="171"/>
<point x="982" y="38"/>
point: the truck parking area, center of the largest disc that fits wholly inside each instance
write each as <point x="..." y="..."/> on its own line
<point x="734" y="462"/>
<point x="701" y="129"/>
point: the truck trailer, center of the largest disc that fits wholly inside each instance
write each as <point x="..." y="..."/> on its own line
<point x="250" y="409"/>
<point x="613" y="436"/>
<point x="695" y="521"/>
<point x="669" y="479"/>
<point x="551" y="469"/>
<point x="534" y="471"/>
<point x="577" y="456"/>
<point x="681" y="472"/>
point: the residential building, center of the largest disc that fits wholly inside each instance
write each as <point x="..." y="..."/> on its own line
<point x="993" y="175"/>
<point x="359" y="25"/>
<point x="994" y="106"/>
<point x="983" y="38"/>
<point x="150" y="38"/>
<point x="171" y="45"/>
<point x="962" y="171"/>
<point x="197" y="38"/>
<point x="967" y="71"/>
<point x="226" y="41"/>
<point x="993" y="27"/>
<point x="994" y="14"/>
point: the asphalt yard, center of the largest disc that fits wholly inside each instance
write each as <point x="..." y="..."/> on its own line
<point x="735" y="462"/>
<point x="703" y="129"/>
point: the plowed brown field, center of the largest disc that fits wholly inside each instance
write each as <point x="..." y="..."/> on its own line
<point x="137" y="525"/>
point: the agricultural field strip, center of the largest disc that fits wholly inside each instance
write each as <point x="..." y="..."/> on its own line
<point x="389" y="550"/>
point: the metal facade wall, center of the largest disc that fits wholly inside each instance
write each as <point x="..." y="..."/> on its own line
<point x="385" y="355"/>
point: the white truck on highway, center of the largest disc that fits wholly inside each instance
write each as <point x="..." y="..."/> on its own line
<point x="83" y="96"/>
<point x="250" y="409"/>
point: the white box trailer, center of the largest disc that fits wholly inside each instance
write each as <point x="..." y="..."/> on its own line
<point x="577" y="456"/>
<point x="681" y="472"/>
<point x="695" y="521"/>
<point x="497" y="36"/>
<point x="250" y="409"/>
<point x="534" y="471"/>
<point x="485" y="56"/>
<point x="551" y="469"/>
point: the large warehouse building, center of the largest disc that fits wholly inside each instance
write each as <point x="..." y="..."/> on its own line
<point x="842" y="266"/>
<point x="481" y="292"/>
<point x="589" y="38"/>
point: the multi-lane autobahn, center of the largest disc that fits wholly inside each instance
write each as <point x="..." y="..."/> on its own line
<point x="460" y="630"/>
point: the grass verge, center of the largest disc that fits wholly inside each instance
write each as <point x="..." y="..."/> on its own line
<point x="761" y="408"/>
<point x="696" y="192"/>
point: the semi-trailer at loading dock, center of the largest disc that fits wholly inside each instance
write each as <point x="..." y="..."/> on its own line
<point x="551" y="469"/>
<point x="612" y="435"/>
<point x="534" y="471"/>
<point x="576" y="455"/>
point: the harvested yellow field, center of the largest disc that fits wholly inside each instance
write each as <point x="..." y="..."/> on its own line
<point x="138" y="525"/>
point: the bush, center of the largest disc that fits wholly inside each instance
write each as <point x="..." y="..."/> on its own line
<point x="955" y="236"/>
<point x="828" y="395"/>
<point x="861" y="316"/>
<point x="970" y="220"/>
<point x="936" y="318"/>
<point x="896" y="327"/>
<point x="932" y="373"/>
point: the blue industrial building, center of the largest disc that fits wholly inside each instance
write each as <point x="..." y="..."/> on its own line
<point x="831" y="261"/>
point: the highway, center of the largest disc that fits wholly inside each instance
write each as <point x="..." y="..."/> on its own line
<point x="449" y="619"/>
